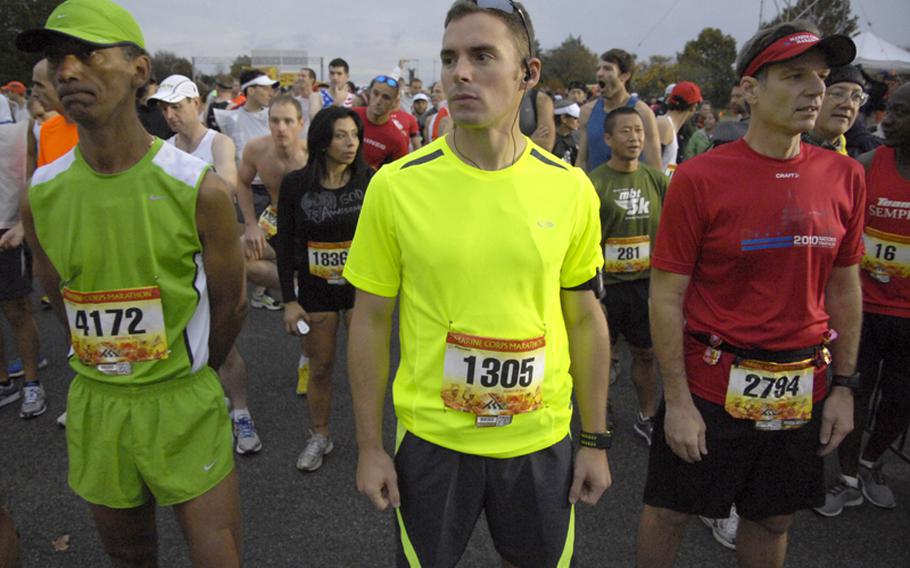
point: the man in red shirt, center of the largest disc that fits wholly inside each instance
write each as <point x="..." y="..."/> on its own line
<point x="755" y="267"/>
<point x="886" y="316"/>
<point x="385" y="137"/>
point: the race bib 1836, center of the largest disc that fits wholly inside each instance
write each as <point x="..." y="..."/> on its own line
<point x="493" y="377"/>
<point x="775" y="396"/>
<point x="327" y="260"/>
<point x="627" y="254"/>
<point x="114" y="326"/>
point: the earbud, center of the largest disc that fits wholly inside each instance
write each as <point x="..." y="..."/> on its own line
<point x="527" y="77"/>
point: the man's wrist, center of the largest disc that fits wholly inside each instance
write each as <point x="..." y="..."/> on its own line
<point x="596" y="440"/>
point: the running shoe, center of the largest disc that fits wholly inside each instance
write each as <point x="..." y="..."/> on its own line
<point x="840" y="495"/>
<point x="644" y="427"/>
<point x="33" y="401"/>
<point x="247" y="439"/>
<point x="263" y="301"/>
<point x="724" y="530"/>
<point x="46" y="303"/>
<point x="316" y="447"/>
<point x="9" y="393"/>
<point x="61" y="420"/>
<point x="875" y="487"/>
<point x="15" y="369"/>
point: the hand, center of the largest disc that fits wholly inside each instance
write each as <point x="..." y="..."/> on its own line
<point x="684" y="429"/>
<point x="254" y="241"/>
<point x="837" y="419"/>
<point x="592" y="476"/>
<point x="541" y="132"/>
<point x="293" y="313"/>
<point x="13" y="237"/>
<point x="376" y="478"/>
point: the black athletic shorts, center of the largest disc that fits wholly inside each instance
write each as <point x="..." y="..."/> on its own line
<point x="627" y="312"/>
<point x="525" y="499"/>
<point x="764" y="473"/>
<point x="15" y="281"/>
<point x="261" y="200"/>
<point x="325" y="298"/>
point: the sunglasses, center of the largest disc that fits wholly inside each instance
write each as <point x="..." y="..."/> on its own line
<point x="390" y="81"/>
<point x="509" y="7"/>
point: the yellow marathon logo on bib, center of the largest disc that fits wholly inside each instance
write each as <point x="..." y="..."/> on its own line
<point x="268" y="221"/>
<point x="327" y="260"/>
<point x="776" y="396"/>
<point x="493" y="377"/>
<point x="887" y="255"/>
<point x="115" y="326"/>
<point x="627" y="254"/>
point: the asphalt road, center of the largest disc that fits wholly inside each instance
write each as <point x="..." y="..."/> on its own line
<point x="319" y="519"/>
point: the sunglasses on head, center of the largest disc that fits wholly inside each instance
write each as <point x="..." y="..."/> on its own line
<point x="390" y="81"/>
<point x="509" y="7"/>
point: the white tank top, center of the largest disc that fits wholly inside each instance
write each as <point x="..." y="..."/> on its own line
<point x="203" y="150"/>
<point x="669" y="154"/>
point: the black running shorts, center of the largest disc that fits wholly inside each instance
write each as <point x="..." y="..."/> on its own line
<point x="764" y="473"/>
<point x="627" y="312"/>
<point x="15" y="282"/>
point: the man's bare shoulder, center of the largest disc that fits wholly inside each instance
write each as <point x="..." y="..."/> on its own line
<point x="642" y="107"/>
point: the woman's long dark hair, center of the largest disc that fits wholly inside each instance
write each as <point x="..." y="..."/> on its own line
<point x="319" y="139"/>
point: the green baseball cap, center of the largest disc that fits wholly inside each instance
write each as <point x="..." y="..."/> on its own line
<point x="100" y="23"/>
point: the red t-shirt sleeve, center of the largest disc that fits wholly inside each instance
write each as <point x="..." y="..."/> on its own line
<point x="682" y="227"/>
<point x="851" y="249"/>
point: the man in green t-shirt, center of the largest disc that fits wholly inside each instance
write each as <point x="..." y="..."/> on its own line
<point x="490" y="244"/>
<point x="136" y="245"/>
<point x="631" y="195"/>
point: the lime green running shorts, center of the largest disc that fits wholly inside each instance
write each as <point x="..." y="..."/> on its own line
<point x="171" y="440"/>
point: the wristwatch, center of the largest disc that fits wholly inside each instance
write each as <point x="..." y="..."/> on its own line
<point x="600" y="441"/>
<point x="852" y="382"/>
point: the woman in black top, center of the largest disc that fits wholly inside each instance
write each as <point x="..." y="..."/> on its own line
<point x="318" y="208"/>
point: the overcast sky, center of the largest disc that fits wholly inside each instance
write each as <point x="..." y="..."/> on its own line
<point x="372" y="35"/>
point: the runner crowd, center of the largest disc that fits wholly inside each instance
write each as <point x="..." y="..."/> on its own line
<point x="755" y="251"/>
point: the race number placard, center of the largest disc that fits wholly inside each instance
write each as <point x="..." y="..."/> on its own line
<point x="775" y="396"/>
<point x="627" y="254"/>
<point x="493" y="377"/>
<point x="887" y="255"/>
<point x="114" y="326"/>
<point x="268" y="221"/>
<point x="327" y="260"/>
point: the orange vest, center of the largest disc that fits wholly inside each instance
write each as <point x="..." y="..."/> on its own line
<point x="56" y="139"/>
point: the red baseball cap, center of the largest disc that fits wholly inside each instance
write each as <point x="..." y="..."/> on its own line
<point x="687" y="92"/>
<point x="838" y="50"/>
<point x="16" y="87"/>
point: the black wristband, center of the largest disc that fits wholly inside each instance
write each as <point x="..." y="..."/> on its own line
<point x="601" y="441"/>
<point x="852" y="382"/>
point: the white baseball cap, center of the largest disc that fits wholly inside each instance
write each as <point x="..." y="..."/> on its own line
<point x="572" y="110"/>
<point x="260" y="80"/>
<point x="421" y="97"/>
<point x="174" y="89"/>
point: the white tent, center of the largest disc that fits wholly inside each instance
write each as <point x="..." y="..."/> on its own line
<point x="876" y="54"/>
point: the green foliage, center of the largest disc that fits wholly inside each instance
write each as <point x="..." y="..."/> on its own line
<point x="16" y="16"/>
<point x="651" y="78"/>
<point x="831" y="16"/>
<point x="570" y="61"/>
<point x="239" y="64"/>
<point x="165" y="63"/>
<point x="708" y="62"/>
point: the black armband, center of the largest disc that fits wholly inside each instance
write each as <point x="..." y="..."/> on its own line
<point x="595" y="284"/>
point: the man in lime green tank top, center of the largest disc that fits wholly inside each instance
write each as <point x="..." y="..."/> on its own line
<point x="135" y="244"/>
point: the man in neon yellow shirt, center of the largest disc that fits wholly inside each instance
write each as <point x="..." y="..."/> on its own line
<point x="492" y="246"/>
<point x="135" y="243"/>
